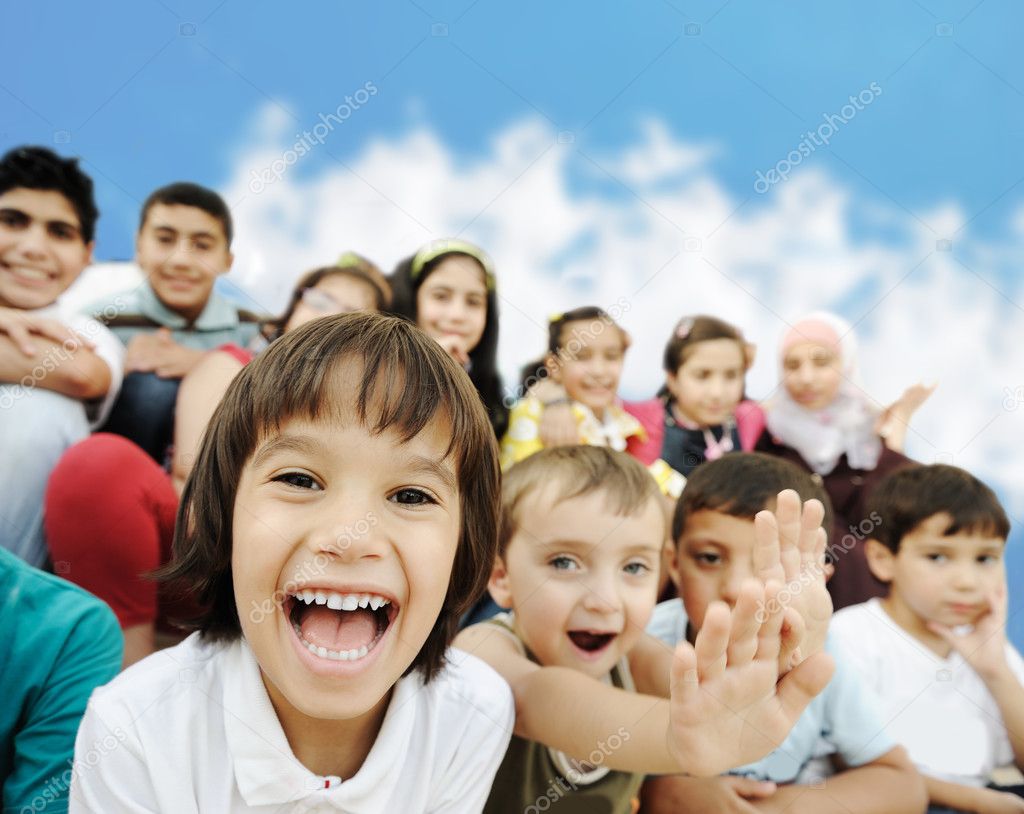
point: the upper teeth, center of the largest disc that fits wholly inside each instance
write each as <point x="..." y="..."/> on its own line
<point x="336" y="601"/>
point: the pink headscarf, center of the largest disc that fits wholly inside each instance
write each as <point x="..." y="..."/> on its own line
<point x="844" y="427"/>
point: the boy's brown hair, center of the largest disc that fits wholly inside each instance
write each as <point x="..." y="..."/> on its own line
<point x="909" y="496"/>
<point x="741" y="484"/>
<point x="577" y="471"/>
<point x="407" y="380"/>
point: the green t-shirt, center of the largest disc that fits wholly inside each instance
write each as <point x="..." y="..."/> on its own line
<point x="57" y="643"/>
<point x="533" y="778"/>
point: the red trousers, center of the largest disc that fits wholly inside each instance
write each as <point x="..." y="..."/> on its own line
<point x="109" y="519"/>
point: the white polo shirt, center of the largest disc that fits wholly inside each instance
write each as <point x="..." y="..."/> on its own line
<point x="192" y="729"/>
<point x="939" y="709"/>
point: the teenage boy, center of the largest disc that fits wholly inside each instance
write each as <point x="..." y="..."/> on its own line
<point x="183" y="245"/>
<point x="59" y="372"/>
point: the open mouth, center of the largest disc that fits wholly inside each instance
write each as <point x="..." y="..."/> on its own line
<point x="589" y="641"/>
<point x="339" y="626"/>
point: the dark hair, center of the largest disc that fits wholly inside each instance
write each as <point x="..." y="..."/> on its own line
<point x="349" y="265"/>
<point x="407" y="380"/>
<point x="598" y="318"/>
<point x="742" y="484"/>
<point x="185" y="193"/>
<point x="406" y="280"/>
<point x="40" y="168"/>
<point x="912" y="494"/>
<point x="689" y="331"/>
<point x="578" y="471"/>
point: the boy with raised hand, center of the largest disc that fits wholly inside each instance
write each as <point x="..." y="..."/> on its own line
<point x="935" y="649"/>
<point x="59" y="372"/>
<point x="183" y="245"/>
<point x="720" y="523"/>
<point x="598" y="704"/>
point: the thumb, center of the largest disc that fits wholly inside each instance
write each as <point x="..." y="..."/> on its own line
<point x="163" y="334"/>
<point x="751" y="789"/>
<point x="799" y="686"/>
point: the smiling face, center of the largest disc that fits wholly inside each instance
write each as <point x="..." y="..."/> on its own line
<point x="352" y="536"/>
<point x="589" y="363"/>
<point x="812" y="374"/>
<point x="937" y="578"/>
<point x="334" y="294"/>
<point x="41" y="247"/>
<point x="451" y="304"/>
<point x="709" y="383"/>
<point x="581" y="579"/>
<point x="182" y="250"/>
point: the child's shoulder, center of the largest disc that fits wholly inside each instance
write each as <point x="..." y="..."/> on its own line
<point x="857" y="619"/>
<point x="468" y="680"/>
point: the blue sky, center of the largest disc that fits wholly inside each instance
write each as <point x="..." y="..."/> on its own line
<point x="584" y="143"/>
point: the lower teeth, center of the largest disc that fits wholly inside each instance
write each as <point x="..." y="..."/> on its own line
<point x="334" y="655"/>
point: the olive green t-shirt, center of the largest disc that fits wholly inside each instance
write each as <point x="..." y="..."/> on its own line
<point x="533" y="778"/>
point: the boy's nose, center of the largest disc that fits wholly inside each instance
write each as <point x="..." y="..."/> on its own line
<point x="33" y="242"/>
<point x="350" y="536"/>
<point x="599" y="597"/>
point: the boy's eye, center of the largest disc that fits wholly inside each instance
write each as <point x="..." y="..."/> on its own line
<point x="707" y="558"/>
<point x="988" y="559"/>
<point x="636" y="568"/>
<point x="300" y="480"/>
<point x="412" y="497"/>
<point x="13" y="218"/>
<point x="563" y="564"/>
<point x="61" y="231"/>
<point x="934" y="557"/>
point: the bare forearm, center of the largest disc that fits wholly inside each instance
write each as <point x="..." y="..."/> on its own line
<point x="867" y="790"/>
<point x="79" y="373"/>
<point x="571" y="712"/>
<point x="952" y="795"/>
<point x="1009" y="695"/>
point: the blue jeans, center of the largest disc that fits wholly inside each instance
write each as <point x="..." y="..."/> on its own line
<point x="144" y="413"/>
<point x="36" y="427"/>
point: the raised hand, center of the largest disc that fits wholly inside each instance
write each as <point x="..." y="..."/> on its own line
<point x="790" y="549"/>
<point x="727" y="706"/>
<point x="983" y="647"/>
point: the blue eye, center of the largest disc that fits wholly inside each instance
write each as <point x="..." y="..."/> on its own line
<point x="412" y="497"/>
<point x="300" y="480"/>
<point x="636" y="568"/>
<point x="563" y="564"/>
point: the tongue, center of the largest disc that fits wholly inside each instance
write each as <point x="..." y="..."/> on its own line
<point x="338" y="630"/>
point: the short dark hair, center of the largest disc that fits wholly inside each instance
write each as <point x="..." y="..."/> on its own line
<point x="742" y="484"/>
<point x="185" y="193"/>
<point x="39" y="168"/>
<point x="912" y="494"/>
<point x="690" y="331"/>
<point x="578" y="471"/>
<point x="407" y="380"/>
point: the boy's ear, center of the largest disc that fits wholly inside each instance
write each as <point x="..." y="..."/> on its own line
<point x="230" y="263"/>
<point x="670" y="558"/>
<point x="829" y="570"/>
<point x="498" y="585"/>
<point x="881" y="560"/>
<point x="749" y="354"/>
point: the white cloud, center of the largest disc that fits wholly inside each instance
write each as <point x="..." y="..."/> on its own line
<point x="677" y="243"/>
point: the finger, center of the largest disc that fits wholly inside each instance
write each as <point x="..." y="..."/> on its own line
<point x="713" y="641"/>
<point x="800" y="685"/>
<point x="769" y="636"/>
<point x="750" y="789"/>
<point x="810" y="539"/>
<point x="791" y="637"/>
<point x="683" y="682"/>
<point x="767" y="564"/>
<point x="84" y="341"/>
<point x="745" y="623"/>
<point x="22" y="339"/>
<point x="788" y="518"/>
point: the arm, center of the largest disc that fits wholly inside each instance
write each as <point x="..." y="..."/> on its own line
<point x="77" y="372"/>
<point x="198" y="396"/>
<point x="887" y="785"/>
<point x="971" y="798"/>
<point x="733" y="665"/>
<point x="894" y="422"/>
<point x="675" y="794"/>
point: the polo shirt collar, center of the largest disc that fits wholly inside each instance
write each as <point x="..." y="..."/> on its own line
<point x="267" y="771"/>
<point x="218" y="314"/>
